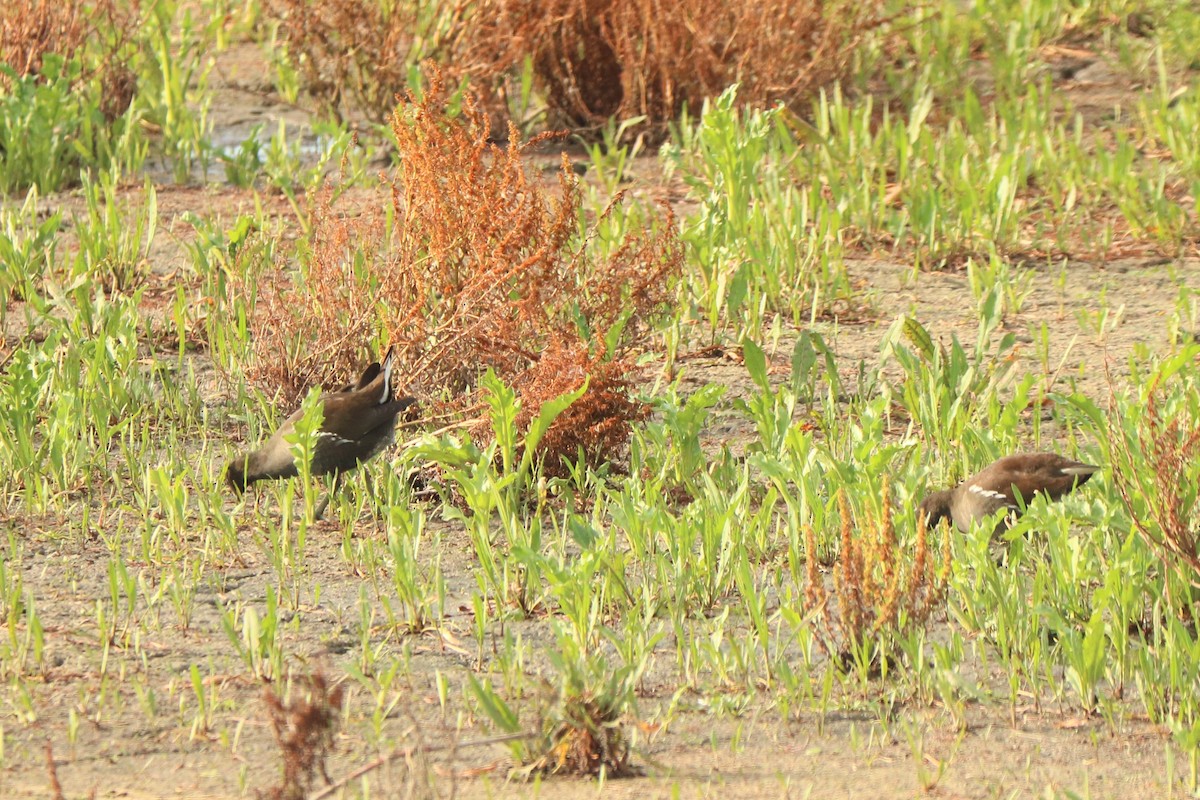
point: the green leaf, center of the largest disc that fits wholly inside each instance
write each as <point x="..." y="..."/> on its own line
<point x="916" y="333"/>
<point x="1094" y="640"/>
<point x="447" y="451"/>
<point x="499" y="712"/>
<point x="739" y="287"/>
<point x="550" y="411"/>
<point x="504" y="406"/>
<point x="303" y="437"/>
<point x="1171" y="366"/>
<point x="236" y="235"/>
<point x="582" y="325"/>
<point x="612" y="336"/>
<point x="582" y="532"/>
<point x="804" y="357"/>
<point x="756" y="363"/>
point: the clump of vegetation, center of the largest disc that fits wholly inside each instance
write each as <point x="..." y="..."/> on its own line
<point x="32" y="29"/>
<point x="589" y="739"/>
<point x="1156" y="469"/>
<point x="313" y="328"/>
<point x="357" y="55"/>
<point x="582" y="729"/>
<point x="880" y="586"/>
<point x="469" y="266"/>
<point x="63" y="84"/>
<point x="589" y="61"/>
<point x="37" y="36"/>
<point x="304" y="730"/>
<point x="668" y="597"/>
<point x="624" y="58"/>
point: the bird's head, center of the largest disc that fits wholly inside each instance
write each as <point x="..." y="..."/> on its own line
<point x="235" y="475"/>
<point x="934" y="508"/>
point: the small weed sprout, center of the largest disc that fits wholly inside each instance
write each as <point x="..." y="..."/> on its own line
<point x="581" y="730"/>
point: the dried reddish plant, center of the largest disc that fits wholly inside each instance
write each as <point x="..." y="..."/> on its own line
<point x="316" y="326"/>
<point x="481" y="267"/>
<point x="304" y="730"/>
<point x="1157" y="459"/>
<point x="596" y="59"/>
<point x="32" y="29"/>
<point x="878" y="585"/>
<point x="56" y="792"/>
<point x="29" y="29"/>
<point x="592" y="59"/>
<point x="593" y="427"/>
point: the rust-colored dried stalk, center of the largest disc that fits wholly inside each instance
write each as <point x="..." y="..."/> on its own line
<point x="482" y="267"/>
<point x="56" y="791"/>
<point x="879" y="585"/>
<point x="1159" y="461"/>
<point x="304" y="730"/>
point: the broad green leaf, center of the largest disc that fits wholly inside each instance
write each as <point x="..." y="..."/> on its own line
<point x="549" y="412"/>
<point x="756" y="363"/>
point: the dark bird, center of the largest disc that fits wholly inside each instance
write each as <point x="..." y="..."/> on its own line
<point x="359" y="421"/>
<point x="1000" y="485"/>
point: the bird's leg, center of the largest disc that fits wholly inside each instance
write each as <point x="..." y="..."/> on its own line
<point x="320" y="512"/>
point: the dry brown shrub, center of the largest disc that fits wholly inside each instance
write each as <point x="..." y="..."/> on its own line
<point x="29" y="29"/>
<point x="596" y="425"/>
<point x="879" y="586"/>
<point x="480" y="268"/>
<point x="592" y="59"/>
<point x="304" y="730"/>
<point x="596" y="59"/>
<point x="315" y="326"/>
<point x="32" y="29"/>
<point x="355" y="54"/>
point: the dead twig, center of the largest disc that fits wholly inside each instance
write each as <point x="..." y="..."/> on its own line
<point x="56" y="792"/>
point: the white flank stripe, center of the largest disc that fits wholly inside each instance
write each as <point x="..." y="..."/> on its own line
<point x="988" y="493"/>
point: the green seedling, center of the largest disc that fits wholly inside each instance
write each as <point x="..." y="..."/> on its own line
<point x="115" y="239"/>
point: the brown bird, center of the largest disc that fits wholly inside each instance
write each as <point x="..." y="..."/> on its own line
<point x="359" y="421"/>
<point x="1000" y="485"/>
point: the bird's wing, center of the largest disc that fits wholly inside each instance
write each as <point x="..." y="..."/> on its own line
<point x="354" y="415"/>
<point x="990" y="499"/>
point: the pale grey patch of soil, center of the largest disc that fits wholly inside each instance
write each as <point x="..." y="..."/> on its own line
<point x="1140" y="294"/>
